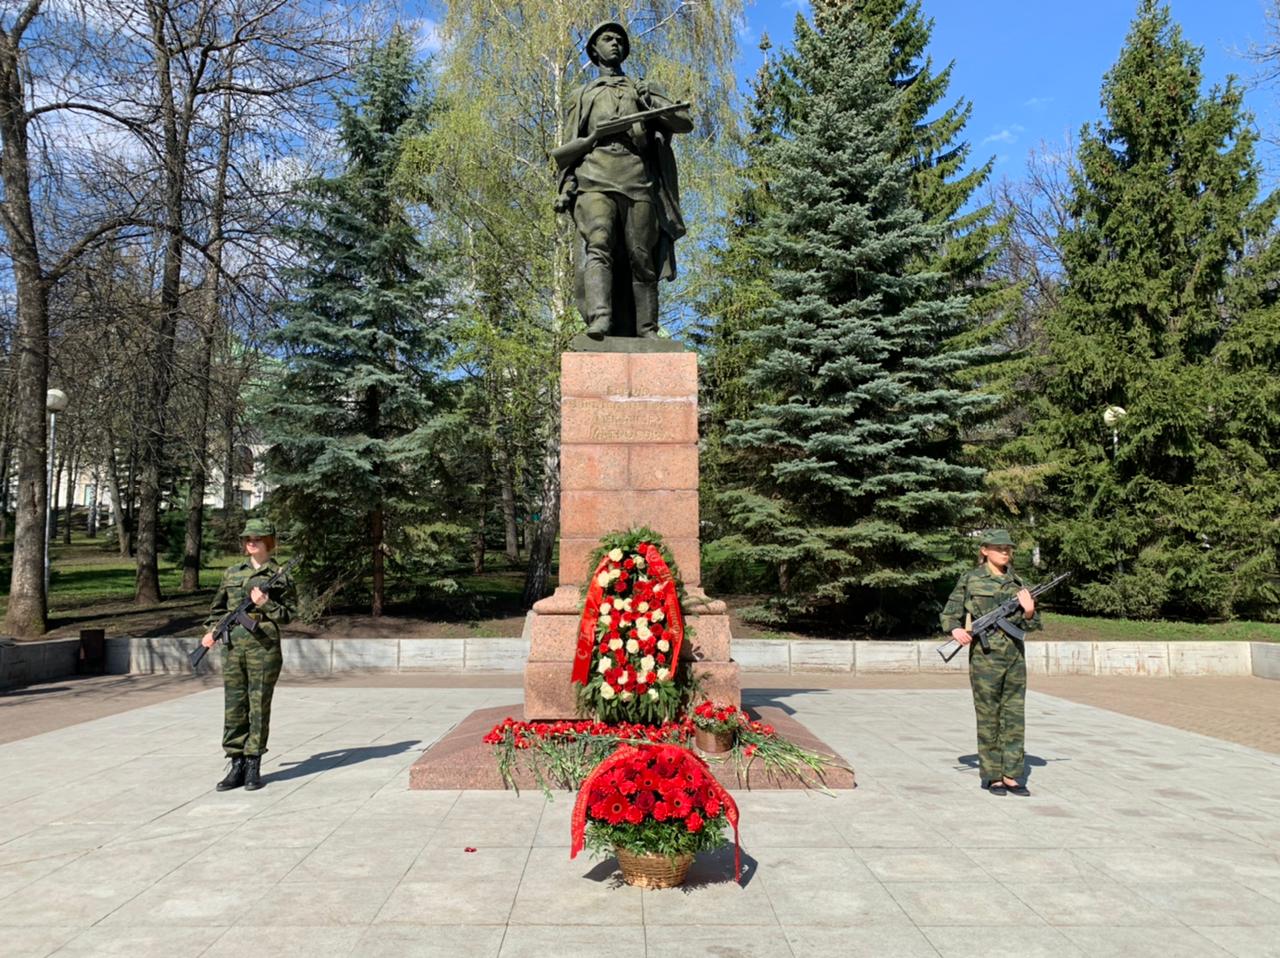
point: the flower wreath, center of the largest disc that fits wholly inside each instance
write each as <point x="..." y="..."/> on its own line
<point x="630" y="634"/>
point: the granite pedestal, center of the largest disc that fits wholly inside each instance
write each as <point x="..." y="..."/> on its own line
<point x="628" y="458"/>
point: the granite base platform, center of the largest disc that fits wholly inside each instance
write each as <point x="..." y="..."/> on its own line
<point x="461" y="759"/>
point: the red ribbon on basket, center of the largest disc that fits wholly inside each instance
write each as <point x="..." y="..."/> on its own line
<point x="675" y="753"/>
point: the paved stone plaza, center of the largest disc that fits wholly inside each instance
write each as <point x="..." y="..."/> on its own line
<point x="1140" y="839"/>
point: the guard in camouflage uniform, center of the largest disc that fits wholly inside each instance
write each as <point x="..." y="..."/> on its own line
<point x="251" y="661"/>
<point x="998" y="677"/>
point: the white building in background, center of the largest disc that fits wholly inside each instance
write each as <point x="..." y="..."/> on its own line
<point x="250" y="486"/>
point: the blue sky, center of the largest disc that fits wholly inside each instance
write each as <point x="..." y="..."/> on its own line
<point x="1033" y="68"/>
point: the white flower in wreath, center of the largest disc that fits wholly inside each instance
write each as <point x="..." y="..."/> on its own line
<point x="623" y="604"/>
<point x="615" y="644"/>
<point x="658" y="615"/>
<point x="606" y="608"/>
<point x="643" y="607"/>
<point x="623" y="678"/>
<point x="627" y="696"/>
<point x="664" y="645"/>
<point x="603" y="579"/>
<point x="653" y="694"/>
<point x="642" y="629"/>
<point x="647" y="663"/>
<point x="607" y="691"/>
<point x="659" y="587"/>
<point x="633" y="646"/>
<point x="614" y="574"/>
<point x="605" y="665"/>
<point x="663" y="674"/>
<point x="640" y="563"/>
<point x="615" y="555"/>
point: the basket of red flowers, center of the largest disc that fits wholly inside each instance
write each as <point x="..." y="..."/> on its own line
<point x="715" y="727"/>
<point x="654" y="807"/>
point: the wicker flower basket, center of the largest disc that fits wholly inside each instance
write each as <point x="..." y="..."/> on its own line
<point x="653" y="871"/>
<point x="712" y="743"/>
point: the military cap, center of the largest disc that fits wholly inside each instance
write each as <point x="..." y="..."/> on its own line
<point x="997" y="537"/>
<point x="258" y="527"/>
<point x="601" y="28"/>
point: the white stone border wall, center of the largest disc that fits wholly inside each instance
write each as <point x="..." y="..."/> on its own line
<point x="1043" y="658"/>
<point x="326" y="656"/>
<point x="167" y="654"/>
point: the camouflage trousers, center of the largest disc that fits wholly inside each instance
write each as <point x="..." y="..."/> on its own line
<point x="999" y="682"/>
<point x="249" y="672"/>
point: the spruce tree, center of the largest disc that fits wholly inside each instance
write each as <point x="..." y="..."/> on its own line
<point x="852" y="485"/>
<point x="733" y="306"/>
<point x="1169" y="313"/>
<point x="352" y="421"/>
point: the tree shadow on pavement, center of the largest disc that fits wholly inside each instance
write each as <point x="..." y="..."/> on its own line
<point x="326" y="761"/>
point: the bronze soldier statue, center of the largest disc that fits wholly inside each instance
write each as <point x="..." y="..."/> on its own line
<point x="618" y="180"/>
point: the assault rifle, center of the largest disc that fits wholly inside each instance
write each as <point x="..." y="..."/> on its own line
<point x="240" y="614"/>
<point x="568" y="154"/>
<point x="998" y="618"/>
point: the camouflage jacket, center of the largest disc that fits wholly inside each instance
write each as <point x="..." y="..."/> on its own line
<point x="237" y="582"/>
<point x="979" y="591"/>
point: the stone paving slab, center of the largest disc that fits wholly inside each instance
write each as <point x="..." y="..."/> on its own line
<point x="115" y="842"/>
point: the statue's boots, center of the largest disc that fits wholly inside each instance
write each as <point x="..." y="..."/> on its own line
<point x="252" y="773"/>
<point x="597" y="287"/>
<point x="646" y="297"/>
<point x="235" y="775"/>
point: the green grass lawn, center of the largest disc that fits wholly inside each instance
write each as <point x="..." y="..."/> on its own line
<point x="92" y="586"/>
<point x="1063" y="628"/>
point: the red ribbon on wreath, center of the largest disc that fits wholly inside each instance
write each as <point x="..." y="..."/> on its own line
<point x="587" y="627"/>
<point x="660" y="573"/>
<point x="658" y="570"/>
<point x="677" y="754"/>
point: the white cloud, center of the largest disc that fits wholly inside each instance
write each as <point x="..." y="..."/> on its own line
<point x="1008" y="135"/>
<point x="428" y="37"/>
<point x="1038" y="102"/>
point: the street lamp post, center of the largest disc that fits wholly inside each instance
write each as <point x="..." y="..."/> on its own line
<point x="1111" y="416"/>
<point x="55" y="401"/>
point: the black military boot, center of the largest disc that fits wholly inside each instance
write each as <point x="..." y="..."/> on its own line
<point x="598" y="296"/>
<point x="252" y="778"/>
<point x="235" y="776"/>
<point x="646" y="299"/>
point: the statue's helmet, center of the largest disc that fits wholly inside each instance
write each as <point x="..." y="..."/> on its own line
<point x="601" y="28"/>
